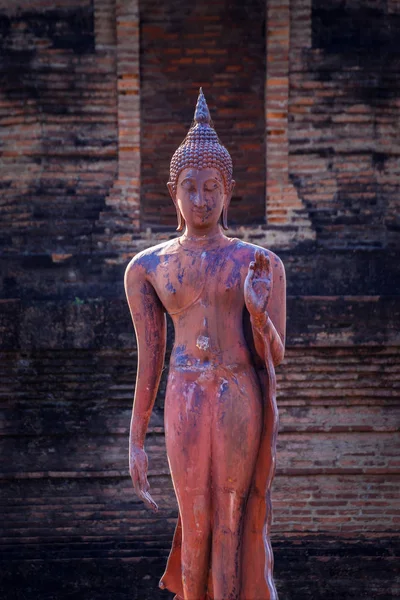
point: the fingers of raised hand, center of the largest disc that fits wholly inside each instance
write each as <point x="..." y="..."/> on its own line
<point x="252" y="267"/>
<point x="257" y="263"/>
<point x="267" y="264"/>
<point x="263" y="265"/>
<point x="250" y="275"/>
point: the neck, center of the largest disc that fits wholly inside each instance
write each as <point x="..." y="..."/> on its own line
<point x="202" y="237"/>
<point x="195" y="235"/>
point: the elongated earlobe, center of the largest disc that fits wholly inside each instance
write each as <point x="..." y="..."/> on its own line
<point x="225" y="218"/>
<point x="181" y="220"/>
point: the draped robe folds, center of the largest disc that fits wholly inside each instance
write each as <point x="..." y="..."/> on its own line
<point x="256" y="553"/>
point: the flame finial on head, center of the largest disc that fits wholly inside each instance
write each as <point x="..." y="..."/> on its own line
<point x="201" y="148"/>
<point x="202" y="114"/>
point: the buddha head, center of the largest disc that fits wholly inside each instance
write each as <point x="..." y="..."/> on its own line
<point x="201" y="183"/>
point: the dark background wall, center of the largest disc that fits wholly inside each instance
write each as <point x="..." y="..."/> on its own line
<point x="68" y="356"/>
<point x="59" y="134"/>
<point x="344" y="142"/>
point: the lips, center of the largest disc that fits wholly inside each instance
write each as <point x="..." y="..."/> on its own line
<point x="200" y="211"/>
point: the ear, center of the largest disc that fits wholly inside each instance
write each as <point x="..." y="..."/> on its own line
<point x="227" y="201"/>
<point x="170" y="187"/>
<point x="229" y="194"/>
<point x="172" y="193"/>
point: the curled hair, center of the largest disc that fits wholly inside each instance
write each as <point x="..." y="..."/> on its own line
<point x="201" y="148"/>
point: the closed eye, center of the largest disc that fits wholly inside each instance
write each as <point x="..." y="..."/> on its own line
<point x="211" y="188"/>
<point x="187" y="184"/>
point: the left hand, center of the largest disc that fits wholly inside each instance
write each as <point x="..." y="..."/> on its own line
<point x="257" y="287"/>
<point x="138" y="463"/>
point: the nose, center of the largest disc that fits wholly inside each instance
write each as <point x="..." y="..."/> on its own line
<point x="199" y="199"/>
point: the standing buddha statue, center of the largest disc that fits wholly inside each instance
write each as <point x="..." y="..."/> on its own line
<point x="227" y="301"/>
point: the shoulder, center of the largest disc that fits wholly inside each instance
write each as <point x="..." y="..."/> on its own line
<point x="146" y="262"/>
<point x="247" y="252"/>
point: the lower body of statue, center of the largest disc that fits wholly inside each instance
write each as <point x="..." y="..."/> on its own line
<point x="220" y="437"/>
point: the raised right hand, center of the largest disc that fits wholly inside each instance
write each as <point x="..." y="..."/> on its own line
<point x="138" y="463"/>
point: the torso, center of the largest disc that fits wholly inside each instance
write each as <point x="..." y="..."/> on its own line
<point x="202" y="290"/>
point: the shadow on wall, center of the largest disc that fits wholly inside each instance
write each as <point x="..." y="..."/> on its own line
<point x="366" y="38"/>
<point x="59" y="143"/>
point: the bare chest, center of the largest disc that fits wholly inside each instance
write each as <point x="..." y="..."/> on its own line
<point x="213" y="279"/>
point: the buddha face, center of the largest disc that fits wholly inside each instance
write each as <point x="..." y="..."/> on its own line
<point x="200" y="196"/>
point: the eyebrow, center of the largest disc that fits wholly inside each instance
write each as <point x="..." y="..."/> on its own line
<point x="191" y="179"/>
<point x="213" y="180"/>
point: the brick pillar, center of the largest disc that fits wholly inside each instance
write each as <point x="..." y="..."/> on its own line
<point x="104" y="25"/>
<point x="287" y="218"/>
<point x="122" y="214"/>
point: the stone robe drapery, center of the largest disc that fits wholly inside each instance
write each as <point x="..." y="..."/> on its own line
<point x="257" y="558"/>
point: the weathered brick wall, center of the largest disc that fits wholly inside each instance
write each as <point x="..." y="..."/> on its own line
<point x="58" y="126"/>
<point x="344" y="119"/>
<point x="69" y="116"/>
